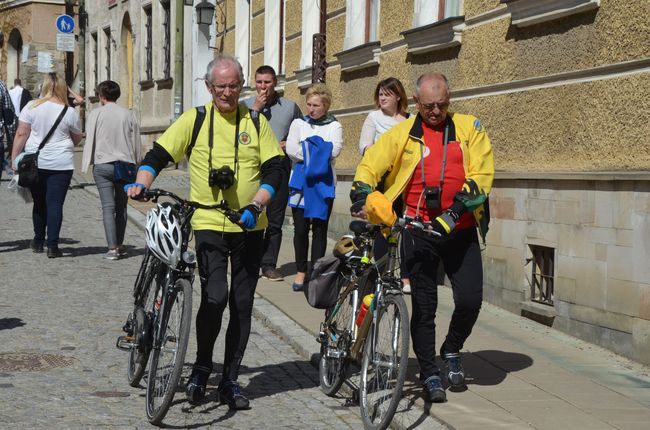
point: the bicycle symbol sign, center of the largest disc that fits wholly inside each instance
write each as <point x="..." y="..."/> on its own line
<point x="65" y="24"/>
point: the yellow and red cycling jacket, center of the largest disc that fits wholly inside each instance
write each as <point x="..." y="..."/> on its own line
<point x="397" y="153"/>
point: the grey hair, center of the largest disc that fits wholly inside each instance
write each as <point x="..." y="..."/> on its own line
<point x="431" y="76"/>
<point x="219" y="61"/>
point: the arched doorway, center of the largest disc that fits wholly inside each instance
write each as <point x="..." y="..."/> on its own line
<point x="14" y="51"/>
<point x="126" y="68"/>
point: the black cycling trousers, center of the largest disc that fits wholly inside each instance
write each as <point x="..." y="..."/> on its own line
<point x="214" y="249"/>
<point x="461" y="258"/>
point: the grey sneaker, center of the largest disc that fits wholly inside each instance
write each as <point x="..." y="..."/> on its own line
<point x="121" y="251"/>
<point x="272" y="275"/>
<point x="406" y="288"/>
<point x="455" y="371"/>
<point x="112" y="254"/>
<point x="433" y="390"/>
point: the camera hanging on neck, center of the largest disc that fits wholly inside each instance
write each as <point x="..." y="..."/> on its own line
<point x="223" y="177"/>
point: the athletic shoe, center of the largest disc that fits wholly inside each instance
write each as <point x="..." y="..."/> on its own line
<point x="406" y="288"/>
<point x="230" y="393"/>
<point x="455" y="372"/>
<point x="121" y="251"/>
<point x="112" y="254"/>
<point x="54" y="253"/>
<point x="272" y="275"/>
<point x="433" y="390"/>
<point x="195" y="389"/>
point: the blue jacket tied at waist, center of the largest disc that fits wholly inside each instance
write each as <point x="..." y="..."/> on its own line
<point x="312" y="181"/>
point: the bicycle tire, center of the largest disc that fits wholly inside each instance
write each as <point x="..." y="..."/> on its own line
<point x="163" y="377"/>
<point x="332" y="371"/>
<point x="145" y="295"/>
<point x="383" y="383"/>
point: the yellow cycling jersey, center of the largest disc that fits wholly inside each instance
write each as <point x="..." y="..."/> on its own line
<point x="252" y="152"/>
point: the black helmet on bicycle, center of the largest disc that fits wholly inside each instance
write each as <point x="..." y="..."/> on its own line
<point x="163" y="233"/>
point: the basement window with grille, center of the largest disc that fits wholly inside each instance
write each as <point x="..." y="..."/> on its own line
<point x="543" y="266"/>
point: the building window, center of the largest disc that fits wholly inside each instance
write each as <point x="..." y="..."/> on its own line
<point x="274" y="34"/>
<point x="429" y="11"/>
<point x="107" y="51"/>
<point x="167" y="45"/>
<point x="310" y="26"/>
<point x="541" y="288"/>
<point x="148" y="42"/>
<point x="95" y="55"/>
<point x="361" y="22"/>
<point x="242" y="34"/>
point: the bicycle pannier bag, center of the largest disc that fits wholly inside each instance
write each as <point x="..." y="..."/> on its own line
<point x="321" y="291"/>
<point x="28" y="170"/>
<point x="124" y="172"/>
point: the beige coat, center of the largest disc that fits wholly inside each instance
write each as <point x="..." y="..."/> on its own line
<point x="112" y="133"/>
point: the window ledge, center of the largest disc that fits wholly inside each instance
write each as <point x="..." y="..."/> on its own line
<point x="93" y="99"/>
<point x="359" y="57"/>
<point x="304" y="78"/>
<point x="440" y="35"/>
<point x="165" y="83"/>
<point x="530" y="12"/>
<point x="145" y="85"/>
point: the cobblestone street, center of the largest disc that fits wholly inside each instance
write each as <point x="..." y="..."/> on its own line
<point x="59" y="319"/>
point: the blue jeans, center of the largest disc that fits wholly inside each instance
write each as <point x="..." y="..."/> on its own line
<point x="114" y="201"/>
<point x="49" y="194"/>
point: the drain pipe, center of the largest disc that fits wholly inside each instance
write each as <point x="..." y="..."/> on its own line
<point x="178" y="60"/>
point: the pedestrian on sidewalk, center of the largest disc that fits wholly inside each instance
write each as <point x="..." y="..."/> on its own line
<point x="7" y="123"/>
<point x="234" y="160"/>
<point x="19" y="98"/>
<point x="440" y="163"/>
<point x="55" y="159"/>
<point x="113" y="134"/>
<point x="279" y="112"/>
<point x="313" y="143"/>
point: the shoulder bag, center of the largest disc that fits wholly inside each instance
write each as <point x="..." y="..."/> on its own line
<point x="27" y="168"/>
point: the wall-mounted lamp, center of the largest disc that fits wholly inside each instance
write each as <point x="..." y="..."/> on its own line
<point x="204" y="12"/>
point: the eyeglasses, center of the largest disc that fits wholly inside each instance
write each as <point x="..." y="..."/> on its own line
<point x="432" y="106"/>
<point x="220" y="88"/>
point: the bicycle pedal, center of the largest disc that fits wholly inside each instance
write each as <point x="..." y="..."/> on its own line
<point x="335" y="353"/>
<point x="125" y="343"/>
<point x="322" y="337"/>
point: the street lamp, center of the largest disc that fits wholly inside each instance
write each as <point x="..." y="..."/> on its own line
<point x="204" y="12"/>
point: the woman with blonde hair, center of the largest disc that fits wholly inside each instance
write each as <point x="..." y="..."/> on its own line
<point x="49" y="116"/>
<point x="312" y="144"/>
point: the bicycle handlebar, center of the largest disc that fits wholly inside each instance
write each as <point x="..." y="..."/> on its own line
<point x="155" y="193"/>
<point x="361" y="227"/>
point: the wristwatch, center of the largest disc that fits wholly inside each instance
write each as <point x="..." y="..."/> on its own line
<point x="258" y="206"/>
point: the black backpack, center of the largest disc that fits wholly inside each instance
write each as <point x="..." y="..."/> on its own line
<point x="198" y="122"/>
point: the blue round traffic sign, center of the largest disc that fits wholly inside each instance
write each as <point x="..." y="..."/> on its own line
<point x="65" y="24"/>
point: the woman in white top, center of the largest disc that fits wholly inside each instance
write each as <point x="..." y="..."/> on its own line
<point x="322" y="134"/>
<point x="55" y="160"/>
<point x="391" y="101"/>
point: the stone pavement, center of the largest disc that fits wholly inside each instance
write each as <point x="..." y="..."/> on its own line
<point x="59" y="319"/>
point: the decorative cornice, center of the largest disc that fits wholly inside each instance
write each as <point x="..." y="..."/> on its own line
<point x="433" y="37"/>
<point x="359" y="57"/>
<point x="530" y="12"/>
<point x="303" y="77"/>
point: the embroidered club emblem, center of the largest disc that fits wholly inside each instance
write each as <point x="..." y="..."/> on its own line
<point x="244" y="138"/>
<point x="478" y="126"/>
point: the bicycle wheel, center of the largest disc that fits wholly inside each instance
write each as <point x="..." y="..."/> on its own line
<point x="383" y="368"/>
<point x="334" y="353"/>
<point x="166" y="362"/>
<point x="145" y="292"/>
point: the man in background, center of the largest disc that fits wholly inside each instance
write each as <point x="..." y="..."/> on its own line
<point x="279" y="112"/>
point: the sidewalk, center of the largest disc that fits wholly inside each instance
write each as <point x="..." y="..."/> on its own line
<point x="521" y="375"/>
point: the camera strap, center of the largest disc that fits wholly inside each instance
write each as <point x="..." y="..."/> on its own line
<point x="211" y="139"/>
<point x="445" y="141"/>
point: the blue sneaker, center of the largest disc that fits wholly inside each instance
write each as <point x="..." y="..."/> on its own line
<point x="433" y="390"/>
<point x="455" y="372"/>
<point x="195" y="390"/>
<point x="230" y="393"/>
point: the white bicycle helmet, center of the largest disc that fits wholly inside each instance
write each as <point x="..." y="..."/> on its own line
<point x="163" y="234"/>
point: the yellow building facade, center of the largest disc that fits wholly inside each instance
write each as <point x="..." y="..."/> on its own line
<point x="563" y="89"/>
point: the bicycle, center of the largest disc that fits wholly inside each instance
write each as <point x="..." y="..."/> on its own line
<point x="158" y="328"/>
<point x="381" y="340"/>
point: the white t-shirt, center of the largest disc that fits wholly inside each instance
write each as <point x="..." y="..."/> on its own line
<point x="374" y="126"/>
<point x="58" y="152"/>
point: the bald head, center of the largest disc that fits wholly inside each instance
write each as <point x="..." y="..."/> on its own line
<point x="432" y="98"/>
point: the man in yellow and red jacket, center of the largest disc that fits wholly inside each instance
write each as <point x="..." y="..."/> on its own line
<point x="440" y="165"/>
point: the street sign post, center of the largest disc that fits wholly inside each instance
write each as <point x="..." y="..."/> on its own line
<point x="65" y="24"/>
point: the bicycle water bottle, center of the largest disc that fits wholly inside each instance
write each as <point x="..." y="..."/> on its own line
<point x="367" y="300"/>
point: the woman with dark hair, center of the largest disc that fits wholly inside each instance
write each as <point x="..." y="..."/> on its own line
<point x="55" y="159"/>
<point x="113" y="135"/>
<point x="391" y="102"/>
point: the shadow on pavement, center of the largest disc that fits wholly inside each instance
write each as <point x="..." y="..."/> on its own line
<point x="288" y="269"/>
<point x="14" y="245"/>
<point x="10" y="323"/>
